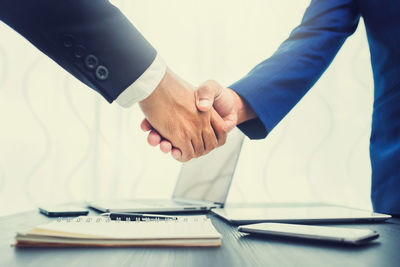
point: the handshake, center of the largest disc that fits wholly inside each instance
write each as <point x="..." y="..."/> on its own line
<point x="191" y="122"/>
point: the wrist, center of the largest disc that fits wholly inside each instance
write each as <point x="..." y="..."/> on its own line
<point x="243" y="110"/>
<point x="156" y="92"/>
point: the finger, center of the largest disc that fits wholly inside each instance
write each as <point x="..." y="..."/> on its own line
<point x="165" y="146"/>
<point x="206" y="93"/>
<point x="176" y="153"/>
<point x="219" y="126"/>
<point x="145" y="125"/>
<point x="154" y="138"/>
<point x="198" y="146"/>
<point x="187" y="150"/>
<point x="210" y="139"/>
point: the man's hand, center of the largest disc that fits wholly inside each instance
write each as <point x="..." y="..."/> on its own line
<point x="171" y="112"/>
<point x="225" y="101"/>
<point x="212" y="94"/>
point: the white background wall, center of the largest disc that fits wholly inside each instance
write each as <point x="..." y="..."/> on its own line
<point x="60" y="141"/>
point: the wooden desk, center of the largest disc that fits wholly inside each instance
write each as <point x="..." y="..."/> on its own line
<point x="236" y="250"/>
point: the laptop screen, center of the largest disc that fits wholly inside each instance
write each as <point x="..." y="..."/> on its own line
<point x="208" y="178"/>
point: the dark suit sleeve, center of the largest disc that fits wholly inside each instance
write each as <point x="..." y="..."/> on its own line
<point x="91" y="39"/>
<point x="275" y="86"/>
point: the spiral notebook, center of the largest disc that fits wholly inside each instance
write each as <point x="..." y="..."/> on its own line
<point x="97" y="231"/>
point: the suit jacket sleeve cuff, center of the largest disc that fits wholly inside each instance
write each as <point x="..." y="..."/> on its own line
<point x="144" y="85"/>
<point x="256" y="128"/>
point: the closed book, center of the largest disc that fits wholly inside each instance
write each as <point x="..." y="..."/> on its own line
<point x="98" y="231"/>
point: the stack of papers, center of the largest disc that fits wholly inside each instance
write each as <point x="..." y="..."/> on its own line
<point x="98" y="231"/>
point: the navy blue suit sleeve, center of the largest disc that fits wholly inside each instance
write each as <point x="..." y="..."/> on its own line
<point x="91" y="39"/>
<point x="275" y="86"/>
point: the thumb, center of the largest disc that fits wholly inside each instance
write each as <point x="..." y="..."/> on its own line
<point x="206" y="93"/>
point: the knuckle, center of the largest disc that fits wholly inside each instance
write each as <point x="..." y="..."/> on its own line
<point x="206" y="88"/>
<point x="199" y="151"/>
<point x="222" y="141"/>
<point x="223" y="131"/>
<point x="213" y="146"/>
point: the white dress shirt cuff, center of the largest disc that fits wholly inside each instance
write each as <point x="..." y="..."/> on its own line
<point x="144" y="85"/>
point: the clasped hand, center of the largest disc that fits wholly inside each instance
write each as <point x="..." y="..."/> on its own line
<point x="171" y="113"/>
<point x="190" y="123"/>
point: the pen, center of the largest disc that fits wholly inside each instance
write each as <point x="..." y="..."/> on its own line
<point x="127" y="216"/>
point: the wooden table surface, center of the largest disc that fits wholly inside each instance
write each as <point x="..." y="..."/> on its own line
<point x="236" y="250"/>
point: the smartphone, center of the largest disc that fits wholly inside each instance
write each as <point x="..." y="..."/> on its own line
<point x="63" y="211"/>
<point x="312" y="232"/>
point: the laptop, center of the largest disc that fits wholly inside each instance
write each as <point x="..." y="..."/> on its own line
<point x="202" y="184"/>
<point x="306" y="213"/>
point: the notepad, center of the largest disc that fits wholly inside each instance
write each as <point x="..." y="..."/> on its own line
<point x="97" y="231"/>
